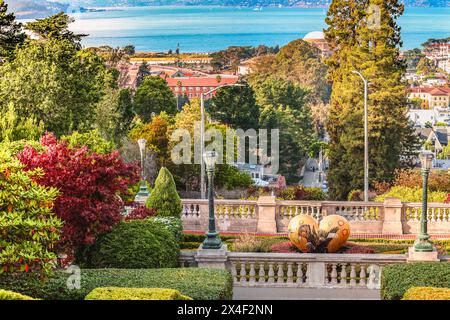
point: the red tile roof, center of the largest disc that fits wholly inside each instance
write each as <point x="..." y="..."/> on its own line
<point x="201" y="81"/>
<point x="434" y="91"/>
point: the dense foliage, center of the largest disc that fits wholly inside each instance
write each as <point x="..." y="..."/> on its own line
<point x="154" y="96"/>
<point x="9" y="295"/>
<point x="91" y="139"/>
<point x="140" y="213"/>
<point x="374" y="51"/>
<point x="137" y="244"/>
<point x="11" y="34"/>
<point x="197" y="283"/>
<point x="29" y="229"/>
<point x="396" y="279"/>
<point x="112" y="293"/>
<point x="407" y="194"/>
<point x="164" y="197"/>
<point x="427" y="293"/>
<point x="89" y="185"/>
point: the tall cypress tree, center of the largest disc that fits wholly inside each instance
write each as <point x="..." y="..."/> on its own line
<point x="11" y="33"/>
<point x="365" y="37"/>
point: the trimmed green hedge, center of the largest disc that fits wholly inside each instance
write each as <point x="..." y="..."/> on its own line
<point x="112" y="293"/>
<point x="132" y="245"/>
<point x="398" y="278"/>
<point x="197" y="283"/>
<point x="9" y="295"/>
<point x="427" y="293"/>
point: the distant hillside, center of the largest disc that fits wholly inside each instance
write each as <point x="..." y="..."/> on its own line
<point x="31" y="9"/>
<point x="242" y="3"/>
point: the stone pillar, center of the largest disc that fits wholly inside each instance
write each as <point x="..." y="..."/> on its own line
<point x="267" y="210"/>
<point x="392" y="223"/>
<point x="315" y="274"/>
<point x="212" y="258"/>
<point x="414" y="256"/>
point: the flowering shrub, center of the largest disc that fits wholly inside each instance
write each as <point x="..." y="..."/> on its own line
<point x="354" y="248"/>
<point x="284" y="247"/>
<point x="140" y="213"/>
<point x="448" y="199"/>
<point x="89" y="185"/>
<point x="28" y="227"/>
<point x="289" y="193"/>
<point x="407" y="194"/>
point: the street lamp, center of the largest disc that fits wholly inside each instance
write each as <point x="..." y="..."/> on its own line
<point x="202" y="134"/>
<point x="212" y="240"/>
<point x="423" y="244"/>
<point x="143" y="193"/>
<point x="366" y="138"/>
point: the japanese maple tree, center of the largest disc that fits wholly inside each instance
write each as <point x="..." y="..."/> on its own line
<point x="89" y="185"/>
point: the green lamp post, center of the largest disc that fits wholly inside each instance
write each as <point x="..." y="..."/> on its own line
<point x="212" y="240"/>
<point x="423" y="244"/>
<point x="143" y="193"/>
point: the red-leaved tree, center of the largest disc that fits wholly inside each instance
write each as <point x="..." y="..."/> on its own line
<point x="89" y="184"/>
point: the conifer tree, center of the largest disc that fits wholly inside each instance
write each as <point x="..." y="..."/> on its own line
<point x="11" y="33"/>
<point x="365" y="37"/>
<point x="164" y="197"/>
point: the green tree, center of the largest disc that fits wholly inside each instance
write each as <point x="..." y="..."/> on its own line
<point x="55" y="83"/>
<point x="91" y="139"/>
<point x="236" y="107"/>
<point x="11" y="34"/>
<point x="114" y="114"/>
<point x="12" y="128"/>
<point x="374" y="51"/>
<point x="154" y="96"/>
<point x="55" y="27"/>
<point x="295" y="137"/>
<point x="164" y="197"/>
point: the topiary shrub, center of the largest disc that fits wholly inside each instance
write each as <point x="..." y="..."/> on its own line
<point x="427" y="293"/>
<point x="164" y="197"/>
<point x="197" y="283"/>
<point x="135" y="244"/>
<point x="397" y="278"/>
<point x="9" y="295"/>
<point x="112" y="293"/>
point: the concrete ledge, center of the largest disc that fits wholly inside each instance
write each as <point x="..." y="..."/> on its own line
<point x="245" y="293"/>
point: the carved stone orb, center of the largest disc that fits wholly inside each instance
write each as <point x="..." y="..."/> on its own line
<point x="298" y="230"/>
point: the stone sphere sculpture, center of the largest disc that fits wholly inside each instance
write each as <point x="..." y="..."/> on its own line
<point x="336" y="221"/>
<point x="298" y="229"/>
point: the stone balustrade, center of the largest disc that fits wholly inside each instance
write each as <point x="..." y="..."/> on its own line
<point x="309" y="270"/>
<point x="271" y="216"/>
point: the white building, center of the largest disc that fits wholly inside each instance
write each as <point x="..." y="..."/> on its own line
<point x="422" y="117"/>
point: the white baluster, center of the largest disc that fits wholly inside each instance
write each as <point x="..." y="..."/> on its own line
<point x="362" y="276"/>
<point x="352" y="275"/>
<point x="243" y="272"/>
<point x="234" y="271"/>
<point x="271" y="273"/>
<point x="299" y="273"/>
<point x="262" y="273"/>
<point x="280" y="274"/>
<point x="252" y="273"/>
<point x="290" y="273"/>
<point x="333" y="274"/>
<point x="343" y="274"/>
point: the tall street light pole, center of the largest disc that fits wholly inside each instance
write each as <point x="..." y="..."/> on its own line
<point x="212" y="240"/>
<point x="202" y="134"/>
<point x="143" y="193"/>
<point x="423" y="244"/>
<point x="366" y="138"/>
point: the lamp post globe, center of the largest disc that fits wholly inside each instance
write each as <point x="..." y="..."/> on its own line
<point x="212" y="239"/>
<point x="423" y="244"/>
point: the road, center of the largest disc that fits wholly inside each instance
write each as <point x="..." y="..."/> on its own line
<point x="310" y="177"/>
